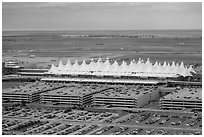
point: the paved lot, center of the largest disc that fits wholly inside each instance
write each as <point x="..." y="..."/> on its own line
<point x="76" y="122"/>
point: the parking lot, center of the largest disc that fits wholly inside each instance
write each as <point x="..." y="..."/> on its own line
<point x="161" y="120"/>
<point x="126" y="130"/>
<point x="37" y="121"/>
<point x="57" y="114"/>
<point x="38" y="127"/>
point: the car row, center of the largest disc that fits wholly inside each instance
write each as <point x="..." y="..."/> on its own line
<point x="103" y="130"/>
<point x="49" y="121"/>
<point x="164" y="121"/>
<point x="72" y="115"/>
<point x="18" y="126"/>
<point x="152" y="120"/>
<point x="120" y="130"/>
<point x="8" y="124"/>
<point x="87" y="129"/>
<point x="57" y="129"/>
<point x="71" y="129"/>
<point x="193" y="122"/>
<point x="135" y="131"/>
<point x="131" y="130"/>
<point x="160" y="120"/>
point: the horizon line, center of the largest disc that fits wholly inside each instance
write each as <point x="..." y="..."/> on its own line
<point x="94" y="29"/>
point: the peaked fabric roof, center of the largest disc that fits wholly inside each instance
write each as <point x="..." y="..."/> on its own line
<point x="134" y="68"/>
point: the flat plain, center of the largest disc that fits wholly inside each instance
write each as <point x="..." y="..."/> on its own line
<point x="50" y="47"/>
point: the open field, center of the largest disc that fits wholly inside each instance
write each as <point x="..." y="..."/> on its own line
<point x="50" y="47"/>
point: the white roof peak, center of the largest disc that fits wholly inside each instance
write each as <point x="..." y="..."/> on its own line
<point x="68" y="62"/>
<point x="191" y="69"/>
<point x="131" y="62"/>
<point x="182" y="64"/>
<point x="164" y="63"/>
<point x="168" y="64"/>
<point x="156" y="63"/>
<point x="83" y="62"/>
<point x="60" y="62"/>
<point x="140" y="68"/>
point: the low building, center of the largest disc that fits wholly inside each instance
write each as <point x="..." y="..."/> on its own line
<point x="72" y="94"/>
<point x="10" y="67"/>
<point x="127" y="96"/>
<point x="101" y="81"/>
<point x="186" y="98"/>
<point x="11" y="64"/>
<point x="32" y="72"/>
<point x="28" y="92"/>
<point x="184" y="84"/>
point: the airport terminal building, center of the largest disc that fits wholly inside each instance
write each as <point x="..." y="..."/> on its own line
<point x="136" y="72"/>
<point x="112" y="80"/>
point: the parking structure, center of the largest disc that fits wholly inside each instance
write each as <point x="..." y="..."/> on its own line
<point x="186" y="98"/>
<point x="127" y="96"/>
<point x="28" y="92"/>
<point x="73" y="94"/>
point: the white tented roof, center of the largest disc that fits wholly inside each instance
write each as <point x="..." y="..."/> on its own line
<point x="138" y="68"/>
<point x="191" y="69"/>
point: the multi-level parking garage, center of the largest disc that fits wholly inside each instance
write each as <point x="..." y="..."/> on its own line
<point x="126" y="96"/>
<point x="117" y="95"/>
<point x="186" y="98"/>
<point x="72" y="94"/>
<point x="28" y="92"/>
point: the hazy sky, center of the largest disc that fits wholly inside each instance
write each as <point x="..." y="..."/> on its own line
<point x="71" y="16"/>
